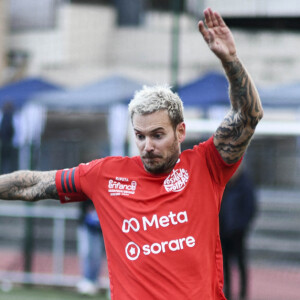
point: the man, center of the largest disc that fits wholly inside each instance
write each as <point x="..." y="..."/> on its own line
<point x="238" y="209"/>
<point x="159" y="211"/>
<point x="7" y="132"/>
<point x="90" y="248"/>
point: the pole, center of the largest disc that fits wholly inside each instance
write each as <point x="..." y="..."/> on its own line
<point x="175" y="44"/>
<point x="28" y="245"/>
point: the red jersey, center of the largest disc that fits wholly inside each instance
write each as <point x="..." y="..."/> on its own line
<point x="161" y="232"/>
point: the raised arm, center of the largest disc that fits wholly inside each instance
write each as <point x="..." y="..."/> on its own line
<point x="28" y="186"/>
<point x="233" y="135"/>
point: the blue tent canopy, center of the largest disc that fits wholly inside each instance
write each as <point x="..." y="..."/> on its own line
<point x="20" y="92"/>
<point x="99" y="95"/>
<point x="211" y="89"/>
<point x="281" y="96"/>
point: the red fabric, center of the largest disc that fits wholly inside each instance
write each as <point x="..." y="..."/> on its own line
<point x="161" y="232"/>
<point x="68" y="186"/>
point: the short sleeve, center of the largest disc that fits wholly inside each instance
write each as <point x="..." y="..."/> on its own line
<point x="68" y="186"/>
<point x="69" y="182"/>
<point x="219" y="169"/>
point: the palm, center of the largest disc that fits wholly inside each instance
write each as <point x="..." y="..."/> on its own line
<point x="217" y="35"/>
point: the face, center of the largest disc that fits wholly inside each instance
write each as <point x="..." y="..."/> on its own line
<point x="158" y="142"/>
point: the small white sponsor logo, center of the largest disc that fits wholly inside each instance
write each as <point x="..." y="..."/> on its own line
<point x="132" y="251"/>
<point x="154" y="221"/>
<point x="165" y="221"/>
<point x="131" y="224"/>
<point x="122" y="179"/>
<point x="176" y="181"/>
<point x="173" y="245"/>
<point x="116" y="187"/>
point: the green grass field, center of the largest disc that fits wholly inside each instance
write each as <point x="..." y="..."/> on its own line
<point x="38" y="293"/>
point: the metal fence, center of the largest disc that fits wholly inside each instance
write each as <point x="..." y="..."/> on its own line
<point x="38" y="245"/>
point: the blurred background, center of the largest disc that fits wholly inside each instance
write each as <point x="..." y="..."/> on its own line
<point x="67" y="71"/>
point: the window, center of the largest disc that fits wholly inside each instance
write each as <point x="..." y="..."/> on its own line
<point x="32" y="14"/>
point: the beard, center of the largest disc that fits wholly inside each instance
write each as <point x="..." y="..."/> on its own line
<point x="156" y="164"/>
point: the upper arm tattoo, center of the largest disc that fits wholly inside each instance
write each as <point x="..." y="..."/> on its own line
<point x="233" y="135"/>
<point x="28" y="186"/>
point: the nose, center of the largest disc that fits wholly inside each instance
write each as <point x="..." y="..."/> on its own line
<point x="149" y="146"/>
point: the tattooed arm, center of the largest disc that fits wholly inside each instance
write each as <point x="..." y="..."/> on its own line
<point x="28" y="186"/>
<point x="234" y="134"/>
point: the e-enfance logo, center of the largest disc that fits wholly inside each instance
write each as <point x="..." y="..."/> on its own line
<point x="133" y="250"/>
<point x="121" y="186"/>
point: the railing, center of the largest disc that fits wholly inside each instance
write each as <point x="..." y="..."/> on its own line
<point x="59" y="216"/>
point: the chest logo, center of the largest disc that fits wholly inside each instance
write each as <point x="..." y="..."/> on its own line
<point x="121" y="186"/>
<point x="176" y="181"/>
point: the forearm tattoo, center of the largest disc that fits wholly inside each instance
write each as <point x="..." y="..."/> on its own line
<point x="28" y="186"/>
<point x="234" y="134"/>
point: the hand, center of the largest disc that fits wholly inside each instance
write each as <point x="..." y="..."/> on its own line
<point x="218" y="36"/>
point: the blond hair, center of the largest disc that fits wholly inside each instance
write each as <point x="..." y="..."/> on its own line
<point x="155" y="98"/>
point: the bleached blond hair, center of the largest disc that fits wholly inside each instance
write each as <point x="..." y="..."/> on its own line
<point x="155" y="98"/>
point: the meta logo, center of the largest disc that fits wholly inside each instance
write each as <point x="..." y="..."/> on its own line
<point x="154" y="221"/>
<point x="131" y="224"/>
<point x="133" y="251"/>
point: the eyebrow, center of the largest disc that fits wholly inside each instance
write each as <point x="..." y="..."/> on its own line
<point x="152" y="131"/>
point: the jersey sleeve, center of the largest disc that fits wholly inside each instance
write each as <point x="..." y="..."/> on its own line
<point x="220" y="171"/>
<point x="68" y="185"/>
<point x="77" y="184"/>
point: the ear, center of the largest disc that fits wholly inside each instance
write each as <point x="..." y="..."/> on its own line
<point x="180" y="132"/>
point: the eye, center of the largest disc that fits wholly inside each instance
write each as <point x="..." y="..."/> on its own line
<point x="139" y="136"/>
<point x="158" y="136"/>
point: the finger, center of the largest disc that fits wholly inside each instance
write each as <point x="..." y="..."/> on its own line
<point x="219" y="19"/>
<point x="207" y="15"/>
<point x="203" y="30"/>
<point x="213" y="18"/>
<point x="207" y="35"/>
<point x="201" y="27"/>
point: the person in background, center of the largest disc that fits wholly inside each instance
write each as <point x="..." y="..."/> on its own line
<point x="238" y="209"/>
<point x="90" y="248"/>
<point x="6" y="135"/>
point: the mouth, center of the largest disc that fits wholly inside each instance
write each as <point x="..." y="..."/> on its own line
<point x="151" y="159"/>
<point x="151" y="156"/>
